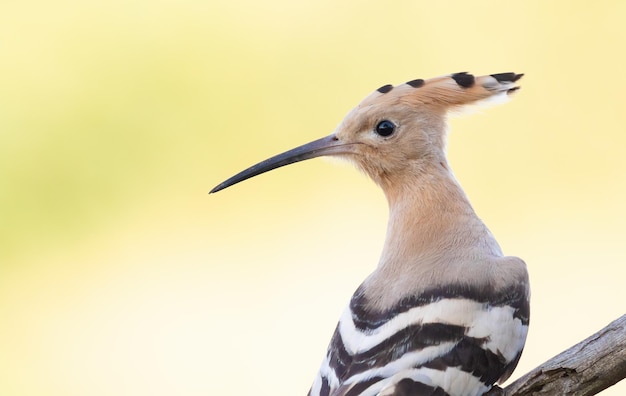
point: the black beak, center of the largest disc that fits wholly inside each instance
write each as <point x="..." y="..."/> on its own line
<point x="329" y="145"/>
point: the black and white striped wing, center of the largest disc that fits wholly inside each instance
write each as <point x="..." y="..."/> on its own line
<point x="455" y="341"/>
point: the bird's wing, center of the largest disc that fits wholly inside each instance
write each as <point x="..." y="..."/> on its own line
<point x="443" y="341"/>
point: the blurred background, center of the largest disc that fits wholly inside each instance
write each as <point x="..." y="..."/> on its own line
<point x="119" y="275"/>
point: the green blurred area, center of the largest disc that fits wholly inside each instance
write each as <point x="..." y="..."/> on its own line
<point x="116" y="119"/>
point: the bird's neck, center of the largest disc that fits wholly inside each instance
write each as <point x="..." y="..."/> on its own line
<point x="429" y="198"/>
<point x="432" y="229"/>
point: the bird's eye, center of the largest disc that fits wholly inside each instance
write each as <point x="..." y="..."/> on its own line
<point x="385" y="128"/>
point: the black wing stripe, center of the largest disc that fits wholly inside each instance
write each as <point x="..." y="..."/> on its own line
<point x="409" y="387"/>
<point x="365" y="319"/>
<point x="469" y="356"/>
<point x="408" y="339"/>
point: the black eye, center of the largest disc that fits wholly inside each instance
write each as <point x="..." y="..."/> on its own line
<point x="385" y="128"/>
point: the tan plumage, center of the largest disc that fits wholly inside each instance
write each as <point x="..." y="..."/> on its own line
<point x="424" y="198"/>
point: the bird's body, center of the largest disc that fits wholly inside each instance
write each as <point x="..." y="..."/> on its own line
<point x="445" y="312"/>
<point x="444" y="309"/>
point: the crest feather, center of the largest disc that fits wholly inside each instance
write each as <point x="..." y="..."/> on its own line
<point x="452" y="92"/>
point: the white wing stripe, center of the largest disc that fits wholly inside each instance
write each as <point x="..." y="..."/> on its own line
<point x="480" y="319"/>
<point x="408" y="360"/>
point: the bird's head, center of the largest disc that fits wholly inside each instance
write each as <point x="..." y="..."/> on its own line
<point x="395" y="131"/>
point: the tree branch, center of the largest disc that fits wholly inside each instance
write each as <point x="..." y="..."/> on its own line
<point x="587" y="368"/>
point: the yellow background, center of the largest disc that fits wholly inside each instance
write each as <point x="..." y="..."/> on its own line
<point x="119" y="275"/>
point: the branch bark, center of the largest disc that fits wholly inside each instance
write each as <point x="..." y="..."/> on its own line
<point x="587" y="368"/>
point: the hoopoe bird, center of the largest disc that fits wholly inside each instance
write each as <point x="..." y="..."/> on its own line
<point x="444" y="312"/>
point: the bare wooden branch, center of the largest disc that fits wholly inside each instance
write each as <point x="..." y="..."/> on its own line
<point x="585" y="369"/>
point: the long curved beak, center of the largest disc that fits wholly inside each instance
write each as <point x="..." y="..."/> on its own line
<point x="328" y="145"/>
